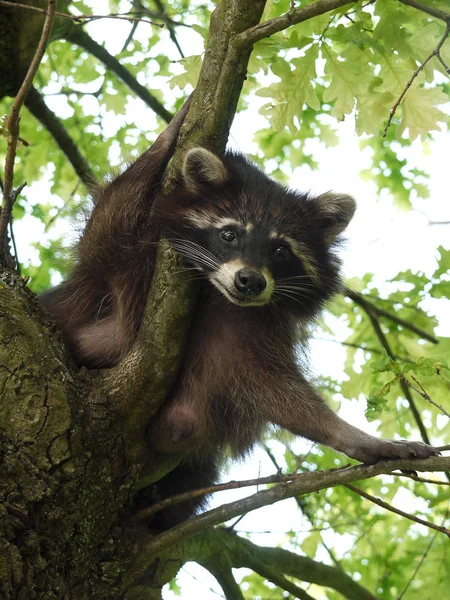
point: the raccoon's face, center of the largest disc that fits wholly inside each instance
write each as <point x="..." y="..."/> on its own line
<point x="247" y="262"/>
<point x="254" y="240"/>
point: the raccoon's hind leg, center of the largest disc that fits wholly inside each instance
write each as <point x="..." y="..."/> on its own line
<point x="105" y="340"/>
<point x="101" y="343"/>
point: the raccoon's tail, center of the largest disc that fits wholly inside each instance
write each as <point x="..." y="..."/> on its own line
<point x="193" y="473"/>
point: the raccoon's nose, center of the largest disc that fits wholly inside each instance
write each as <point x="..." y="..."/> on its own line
<point x="249" y="282"/>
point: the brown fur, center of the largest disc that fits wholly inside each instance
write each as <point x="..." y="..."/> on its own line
<point x="240" y="370"/>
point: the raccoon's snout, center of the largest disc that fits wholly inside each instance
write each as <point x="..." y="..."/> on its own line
<point x="250" y="282"/>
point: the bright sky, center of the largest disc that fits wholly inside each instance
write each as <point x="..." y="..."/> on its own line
<point x="380" y="239"/>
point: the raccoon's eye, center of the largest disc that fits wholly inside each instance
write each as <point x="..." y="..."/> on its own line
<point x="228" y="235"/>
<point x="282" y="251"/>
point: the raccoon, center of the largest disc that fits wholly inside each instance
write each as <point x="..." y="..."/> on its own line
<point x="267" y="263"/>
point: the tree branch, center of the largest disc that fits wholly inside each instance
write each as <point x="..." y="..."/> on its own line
<point x="415" y="411"/>
<point x="420" y="390"/>
<point x="9" y="195"/>
<point x="372" y="310"/>
<point x="430" y="10"/>
<point x="227" y="582"/>
<point x="220" y="487"/>
<point x="76" y="35"/>
<point x="362" y="301"/>
<point x="397" y="511"/>
<point x="275" y="576"/>
<point x="140" y="382"/>
<point x="147" y="373"/>
<point x="292" y="17"/>
<point x="169" y="24"/>
<point x="309" y="482"/>
<point x="420" y="563"/>
<point x="274" y="564"/>
<point x="421" y="479"/>
<point x="36" y="105"/>
<point x="81" y="18"/>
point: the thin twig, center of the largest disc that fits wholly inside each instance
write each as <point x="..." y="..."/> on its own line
<point x="66" y="203"/>
<point x="443" y="63"/>
<point x="13" y="240"/>
<point x="77" y="35"/>
<point x="173" y="35"/>
<point x="416" y="570"/>
<point x="443" y="448"/>
<point x="83" y="18"/>
<point x="35" y="102"/>
<point x="419" y="69"/>
<point x="302" y="508"/>
<point x="292" y="17"/>
<point x="397" y="511"/>
<point x="10" y="195"/>
<point x="423" y="393"/>
<point x="373" y="318"/>
<point x="20" y="139"/>
<point x="362" y="301"/>
<point x="310" y="482"/>
<point x="220" y="487"/>
<point x="130" y="35"/>
<point x="266" y="570"/>
<point x="420" y="479"/>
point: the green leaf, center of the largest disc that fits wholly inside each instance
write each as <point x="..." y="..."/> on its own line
<point x="382" y="364"/>
<point x="293" y="91"/>
<point x="192" y="66"/>
<point x="443" y="263"/>
<point x="420" y="115"/>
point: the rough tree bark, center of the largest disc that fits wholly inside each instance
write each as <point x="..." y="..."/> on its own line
<point x="72" y="443"/>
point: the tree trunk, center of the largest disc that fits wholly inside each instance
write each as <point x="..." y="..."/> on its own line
<point x="72" y="443"/>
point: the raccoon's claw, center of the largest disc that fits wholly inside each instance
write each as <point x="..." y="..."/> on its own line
<point x="395" y="449"/>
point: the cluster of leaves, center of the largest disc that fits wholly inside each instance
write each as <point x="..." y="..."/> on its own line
<point x="370" y="367"/>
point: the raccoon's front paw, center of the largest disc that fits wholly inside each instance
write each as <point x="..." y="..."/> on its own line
<point x="393" y="449"/>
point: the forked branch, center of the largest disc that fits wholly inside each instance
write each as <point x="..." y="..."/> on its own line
<point x="309" y="482"/>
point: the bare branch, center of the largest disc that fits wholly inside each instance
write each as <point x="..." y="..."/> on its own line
<point x="416" y="570"/>
<point x="447" y="68"/>
<point x="270" y="562"/>
<point x="9" y="195"/>
<point x="292" y="17"/>
<point x="77" y="35"/>
<point x="420" y="479"/>
<point x="226" y="580"/>
<point x="373" y="312"/>
<point x="265" y="569"/>
<point x="169" y="24"/>
<point x="220" y="487"/>
<point x="362" y="301"/>
<point x="397" y="511"/>
<point x="430" y="10"/>
<point x="420" y="390"/>
<point x="415" y="411"/>
<point x="36" y="105"/>
<point x="83" y="18"/>
<point x="309" y="482"/>
<point x="423" y="557"/>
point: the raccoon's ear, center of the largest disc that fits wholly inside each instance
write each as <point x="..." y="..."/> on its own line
<point x="336" y="211"/>
<point x="202" y="169"/>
